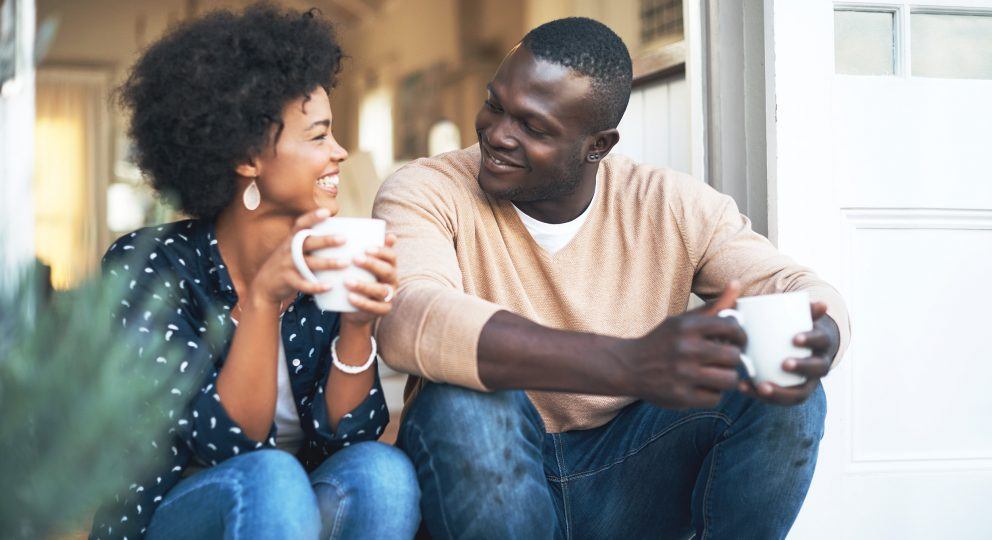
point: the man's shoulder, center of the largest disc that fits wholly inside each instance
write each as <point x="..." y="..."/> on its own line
<point x="452" y="174"/>
<point x="648" y="184"/>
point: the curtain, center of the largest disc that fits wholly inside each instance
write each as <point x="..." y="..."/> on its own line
<point x="67" y="189"/>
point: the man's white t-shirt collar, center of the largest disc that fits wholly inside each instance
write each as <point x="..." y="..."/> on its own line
<point x="554" y="236"/>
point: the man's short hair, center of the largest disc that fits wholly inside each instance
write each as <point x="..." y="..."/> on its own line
<point x="588" y="47"/>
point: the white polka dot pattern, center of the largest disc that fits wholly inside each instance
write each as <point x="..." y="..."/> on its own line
<point x="194" y="317"/>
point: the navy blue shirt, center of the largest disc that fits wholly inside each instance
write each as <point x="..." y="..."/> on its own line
<point x="177" y="289"/>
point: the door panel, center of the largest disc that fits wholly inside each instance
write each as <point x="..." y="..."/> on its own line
<point x="881" y="183"/>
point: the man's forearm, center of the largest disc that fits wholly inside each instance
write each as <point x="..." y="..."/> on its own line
<point x="515" y="353"/>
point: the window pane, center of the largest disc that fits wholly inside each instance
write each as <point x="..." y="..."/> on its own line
<point x="952" y="46"/>
<point x="864" y="42"/>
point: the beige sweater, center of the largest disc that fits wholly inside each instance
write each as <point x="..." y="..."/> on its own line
<point x="652" y="237"/>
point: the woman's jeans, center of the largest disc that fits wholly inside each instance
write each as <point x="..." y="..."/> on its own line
<point x="488" y="469"/>
<point x="366" y="490"/>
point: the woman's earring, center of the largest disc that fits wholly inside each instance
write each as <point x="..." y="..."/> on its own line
<point x="593" y="157"/>
<point x="252" y="197"/>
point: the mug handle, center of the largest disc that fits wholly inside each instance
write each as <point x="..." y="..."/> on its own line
<point x="296" y="248"/>
<point x="745" y="359"/>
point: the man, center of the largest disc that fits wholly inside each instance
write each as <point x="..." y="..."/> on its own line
<point x="543" y="290"/>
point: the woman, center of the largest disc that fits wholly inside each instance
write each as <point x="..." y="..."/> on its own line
<point x="231" y="117"/>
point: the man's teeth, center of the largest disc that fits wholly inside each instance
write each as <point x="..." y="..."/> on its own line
<point x="330" y="180"/>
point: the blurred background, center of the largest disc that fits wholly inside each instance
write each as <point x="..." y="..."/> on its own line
<point x="415" y="79"/>
<point x="854" y="134"/>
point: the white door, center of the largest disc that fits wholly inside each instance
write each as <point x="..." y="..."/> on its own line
<point x="880" y="177"/>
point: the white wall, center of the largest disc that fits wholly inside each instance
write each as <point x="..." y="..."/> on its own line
<point x="17" y="151"/>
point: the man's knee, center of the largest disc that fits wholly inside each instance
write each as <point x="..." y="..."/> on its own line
<point x="442" y="411"/>
<point x="798" y="428"/>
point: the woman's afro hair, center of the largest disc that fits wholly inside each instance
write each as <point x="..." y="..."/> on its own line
<point x="206" y="97"/>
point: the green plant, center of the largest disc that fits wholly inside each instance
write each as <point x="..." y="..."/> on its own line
<point x="77" y="414"/>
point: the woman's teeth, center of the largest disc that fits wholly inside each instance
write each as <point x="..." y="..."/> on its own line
<point x="330" y="180"/>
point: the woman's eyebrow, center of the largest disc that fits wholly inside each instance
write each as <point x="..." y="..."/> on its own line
<point x="325" y="123"/>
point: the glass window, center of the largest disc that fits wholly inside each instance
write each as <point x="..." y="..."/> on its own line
<point x="954" y="46"/>
<point x="864" y="42"/>
<point x="661" y="21"/>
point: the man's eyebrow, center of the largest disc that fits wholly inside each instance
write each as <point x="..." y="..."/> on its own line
<point x="326" y="123"/>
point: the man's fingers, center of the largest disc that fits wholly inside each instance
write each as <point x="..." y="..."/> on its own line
<point x="817" y="340"/>
<point x="726" y="300"/>
<point x="719" y="379"/>
<point x="719" y="355"/>
<point x="817" y="309"/>
<point x="719" y="328"/>
<point x="815" y="367"/>
<point x="779" y="395"/>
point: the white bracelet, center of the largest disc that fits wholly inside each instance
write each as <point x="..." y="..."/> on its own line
<point x="351" y="370"/>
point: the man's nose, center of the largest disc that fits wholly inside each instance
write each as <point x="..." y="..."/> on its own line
<point x="500" y="134"/>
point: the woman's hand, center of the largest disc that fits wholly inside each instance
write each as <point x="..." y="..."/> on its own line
<point x="373" y="299"/>
<point x="278" y="277"/>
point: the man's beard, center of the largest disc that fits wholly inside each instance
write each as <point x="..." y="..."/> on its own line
<point x="564" y="182"/>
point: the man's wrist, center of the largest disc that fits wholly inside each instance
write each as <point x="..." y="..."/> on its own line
<point x="615" y="373"/>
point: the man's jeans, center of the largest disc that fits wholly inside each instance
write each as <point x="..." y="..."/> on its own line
<point x="367" y="490"/>
<point x="488" y="469"/>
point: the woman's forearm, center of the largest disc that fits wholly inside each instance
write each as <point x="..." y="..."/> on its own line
<point x="247" y="382"/>
<point x="345" y="392"/>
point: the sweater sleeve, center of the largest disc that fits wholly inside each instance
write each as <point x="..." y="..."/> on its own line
<point x="723" y="247"/>
<point x="434" y="327"/>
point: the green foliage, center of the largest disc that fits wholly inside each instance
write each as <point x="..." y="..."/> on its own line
<point x="76" y="410"/>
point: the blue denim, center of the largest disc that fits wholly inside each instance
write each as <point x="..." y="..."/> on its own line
<point x="366" y="490"/>
<point x="488" y="469"/>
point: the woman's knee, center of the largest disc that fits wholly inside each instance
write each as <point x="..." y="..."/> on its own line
<point x="276" y="494"/>
<point x="369" y="484"/>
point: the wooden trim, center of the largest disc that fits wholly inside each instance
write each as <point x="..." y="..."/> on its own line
<point x="659" y="63"/>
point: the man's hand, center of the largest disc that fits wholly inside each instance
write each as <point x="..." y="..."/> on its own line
<point x="823" y="341"/>
<point x="687" y="361"/>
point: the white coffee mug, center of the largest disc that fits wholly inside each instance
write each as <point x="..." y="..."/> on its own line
<point x="771" y="322"/>
<point x="360" y="235"/>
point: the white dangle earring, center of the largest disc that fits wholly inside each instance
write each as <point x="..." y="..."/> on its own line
<point x="252" y="197"/>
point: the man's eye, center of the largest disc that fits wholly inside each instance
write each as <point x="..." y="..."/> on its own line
<point x="531" y="130"/>
<point x="492" y="106"/>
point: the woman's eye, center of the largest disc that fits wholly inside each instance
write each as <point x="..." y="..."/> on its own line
<point x="493" y="106"/>
<point x="319" y="137"/>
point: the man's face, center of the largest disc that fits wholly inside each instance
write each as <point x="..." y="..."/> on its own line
<point x="531" y="129"/>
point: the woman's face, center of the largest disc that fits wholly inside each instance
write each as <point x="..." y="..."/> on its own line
<point x="299" y="173"/>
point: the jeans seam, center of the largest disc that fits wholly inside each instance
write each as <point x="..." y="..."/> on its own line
<point x="336" y="528"/>
<point x="652" y="439"/>
<point x="433" y="471"/>
<point x="706" y="493"/>
<point x="559" y="450"/>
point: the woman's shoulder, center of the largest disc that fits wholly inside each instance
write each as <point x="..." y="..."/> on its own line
<point x="178" y="235"/>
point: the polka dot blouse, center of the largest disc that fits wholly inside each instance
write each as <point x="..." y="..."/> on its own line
<point x="177" y="289"/>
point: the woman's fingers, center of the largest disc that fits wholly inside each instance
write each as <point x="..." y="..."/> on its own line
<point x="383" y="271"/>
<point x="306" y="286"/>
<point x="367" y="305"/>
<point x="317" y="264"/>
<point x="376" y="291"/>
<point x="386" y="254"/>
<point x="323" y="241"/>
<point x="311" y="218"/>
